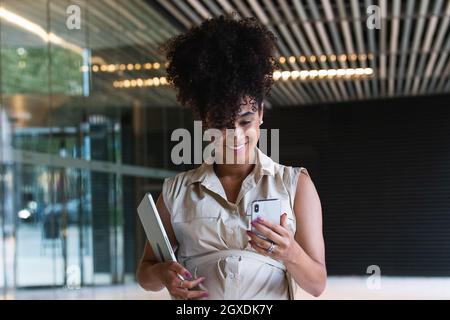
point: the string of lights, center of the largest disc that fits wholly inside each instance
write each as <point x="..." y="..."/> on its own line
<point x="282" y="59"/>
<point x="277" y="75"/>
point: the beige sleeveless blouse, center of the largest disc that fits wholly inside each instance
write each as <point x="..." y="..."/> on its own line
<point x="210" y="230"/>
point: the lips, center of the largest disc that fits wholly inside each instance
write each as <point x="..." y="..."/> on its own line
<point x="237" y="147"/>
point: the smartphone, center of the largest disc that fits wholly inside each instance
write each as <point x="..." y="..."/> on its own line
<point x="268" y="209"/>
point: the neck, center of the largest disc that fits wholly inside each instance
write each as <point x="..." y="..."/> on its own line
<point x="235" y="170"/>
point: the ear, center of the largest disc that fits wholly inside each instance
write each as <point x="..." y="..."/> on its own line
<point x="261" y="111"/>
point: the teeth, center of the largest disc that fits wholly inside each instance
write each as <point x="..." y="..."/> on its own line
<point x="238" y="147"/>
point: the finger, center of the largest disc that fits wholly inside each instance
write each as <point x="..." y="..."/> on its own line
<point x="178" y="268"/>
<point x="275" y="227"/>
<point x="268" y="233"/>
<point x="259" y="241"/>
<point x="283" y="221"/>
<point x="176" y="282"/>
<point x="192" y="284"/>
<point x="180" y="293"/>
<point x="196" y="294"/>
<point x="260" y="250"/>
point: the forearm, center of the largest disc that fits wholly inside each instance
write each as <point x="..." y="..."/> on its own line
<point x="148" y="276"/>
<point x="308" y="273"/>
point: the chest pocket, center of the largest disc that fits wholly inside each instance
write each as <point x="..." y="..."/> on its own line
<point x="196" y="230"/>
<point x="191" y="215"/>
<point x="280" y="191"/>
<point x="201" y="210"/>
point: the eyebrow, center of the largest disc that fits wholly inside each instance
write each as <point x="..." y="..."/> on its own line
<point x="248" y="113"/>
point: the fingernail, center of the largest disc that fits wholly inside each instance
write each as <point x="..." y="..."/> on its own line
<point x="248" y="232"/>
<point x="259" y="219"/>
<point x="254" y="223"/>
<point x="187" y="274"/>
<point x="206" y="294"/>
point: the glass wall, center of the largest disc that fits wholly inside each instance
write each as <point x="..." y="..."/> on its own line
<point x="77" y="151"/>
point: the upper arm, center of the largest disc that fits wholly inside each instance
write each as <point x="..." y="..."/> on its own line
<point x="164" y="214"/>
<point x="308" y="213"/>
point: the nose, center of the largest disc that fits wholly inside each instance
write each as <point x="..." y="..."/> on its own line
<point x="237" y="135"/>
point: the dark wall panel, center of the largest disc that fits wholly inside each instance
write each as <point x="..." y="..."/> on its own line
<point x="382" y="170"/>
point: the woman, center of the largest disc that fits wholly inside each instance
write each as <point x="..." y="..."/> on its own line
<point x="223" y="70"/>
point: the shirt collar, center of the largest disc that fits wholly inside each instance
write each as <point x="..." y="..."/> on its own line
<point x="205" y="173"/>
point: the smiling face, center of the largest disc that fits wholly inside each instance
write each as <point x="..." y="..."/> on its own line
<point x="238" y="143"/>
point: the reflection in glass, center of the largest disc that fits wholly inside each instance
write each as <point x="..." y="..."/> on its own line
<point x="72" y="224"/>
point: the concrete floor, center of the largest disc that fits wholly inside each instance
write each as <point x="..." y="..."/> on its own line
<point x="337" y="288"/>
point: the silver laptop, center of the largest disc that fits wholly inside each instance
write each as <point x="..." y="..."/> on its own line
<point x="154" y="229"/>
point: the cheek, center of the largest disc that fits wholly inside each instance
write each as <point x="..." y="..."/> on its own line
<point x="253" y="135"/>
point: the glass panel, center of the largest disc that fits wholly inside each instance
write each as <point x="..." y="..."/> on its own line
<point x="68" y="216"/>
<point x="40" y="223"/>
<point x="67" y="82"/>
<point x="35" y="224"/>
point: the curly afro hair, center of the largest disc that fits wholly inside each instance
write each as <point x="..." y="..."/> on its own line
<point x="215" y="65"/>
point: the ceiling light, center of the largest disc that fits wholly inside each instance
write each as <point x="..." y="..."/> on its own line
<point x="323" y="73"/>
<point x="359" y="71"/>
<point x="285" y="75"/>
<point x="277" y="75"/>
<point x="295" y="74"/>
<point x="331" y="73"/>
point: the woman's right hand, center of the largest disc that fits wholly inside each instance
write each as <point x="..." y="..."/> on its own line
<point x="181" y="289"/>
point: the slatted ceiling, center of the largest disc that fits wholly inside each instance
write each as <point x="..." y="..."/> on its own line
<point x="338" y="27"/>
<point x="410" y="51"/>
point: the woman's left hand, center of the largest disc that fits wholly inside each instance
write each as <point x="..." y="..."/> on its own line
<point x="278" y="234"/>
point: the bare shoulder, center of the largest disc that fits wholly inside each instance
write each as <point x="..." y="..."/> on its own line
<point x="308" y="213"/>
<point x="306" y="191"/>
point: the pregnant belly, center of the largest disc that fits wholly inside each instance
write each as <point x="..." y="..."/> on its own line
<point x="240" y="275"/>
